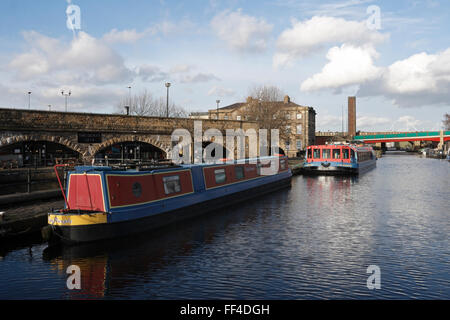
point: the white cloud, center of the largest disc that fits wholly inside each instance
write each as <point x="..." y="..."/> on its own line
<point x="217" y="91"/>
<point x="85" y="59"/>
<point x="307" y="37"/>
<point x="371" y="123"/>
<point x="419" y="80"/>
<point x="326" y="121"/>
<point x="150" y="73"/>
<point x="165" y="28"/>
<point x="199" y="77"/>
<point x="124" y="36"/>
<point x="181" y="68"/>
<point x="348" y="65"/>
<point x="242" y="32"/>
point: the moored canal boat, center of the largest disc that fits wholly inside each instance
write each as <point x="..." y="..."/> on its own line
<point x="339" y="159"/>
<point x="103" y="203"/>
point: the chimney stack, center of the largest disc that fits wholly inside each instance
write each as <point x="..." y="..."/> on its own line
<point x="351" y="116"/>
<point x="287" y="99"/>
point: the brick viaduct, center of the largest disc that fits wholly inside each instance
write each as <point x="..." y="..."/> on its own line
<point x="18" y="125"/>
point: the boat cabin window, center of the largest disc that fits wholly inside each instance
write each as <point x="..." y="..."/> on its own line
<point x="282" y="164"/>
<point x="172" y="184"/>
<point x="221" y="177"/>
<point x="316" y="153"/>
<point x="309" y="153"/>
<point x="239" y="172"/>
<point x="326" y="153"/>
<point x="352" y="153"/>
<point x="345" y="153"/>
<point x="336" y="153"/>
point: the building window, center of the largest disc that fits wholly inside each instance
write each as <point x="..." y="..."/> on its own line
<point x="299" y="129"/>
<point x="172" y="184"/>
<point x="238" y="118"/>
<point x="299" y="144"/>
<point x="288" y="116"/>
<point x="225" y="117"/>
<point x="221" y="177"/>
<point x="288" y="129"/>
<point x="239" y="172"/>
<point x="299" y="116"/>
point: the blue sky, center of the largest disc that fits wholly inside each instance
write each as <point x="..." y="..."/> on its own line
<point x="397" y="63"/>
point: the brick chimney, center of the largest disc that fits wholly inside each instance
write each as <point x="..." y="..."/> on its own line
<point x="351" y="116"/>
<point x="287" y="99"/>
<point x="249" y="99"/>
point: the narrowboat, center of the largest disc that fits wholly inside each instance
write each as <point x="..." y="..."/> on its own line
<point x="339" y="159"/>
<point x="104" y="202"/>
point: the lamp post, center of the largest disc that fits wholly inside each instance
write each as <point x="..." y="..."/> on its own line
<point x="128" y="106"/>
<point x="217" y="101"/>
<point x="29" y="100"/>
<point x="167" y="104"/>
<point x="66" y="95"/>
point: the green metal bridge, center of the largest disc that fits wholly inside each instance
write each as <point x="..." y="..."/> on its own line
<point x="439" y="136"/>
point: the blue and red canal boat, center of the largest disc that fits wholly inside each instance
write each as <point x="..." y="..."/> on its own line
<point x="339" y="159"/>
<point x="104" y="203"/>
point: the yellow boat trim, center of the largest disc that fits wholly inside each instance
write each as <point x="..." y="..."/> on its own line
<point x="77" y="219"/>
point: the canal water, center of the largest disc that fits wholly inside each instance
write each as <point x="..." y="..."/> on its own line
<point x="313" y="241"/>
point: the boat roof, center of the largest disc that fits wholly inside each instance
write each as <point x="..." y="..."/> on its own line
<point x="168" y="167"/>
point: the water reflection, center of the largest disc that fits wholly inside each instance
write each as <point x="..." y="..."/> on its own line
<point x="313" y="241"/>
<point x="112" y="266"/>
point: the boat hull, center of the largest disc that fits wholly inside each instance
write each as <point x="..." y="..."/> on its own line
<point x="103" y="231"/>
<point x="338" y="169"/>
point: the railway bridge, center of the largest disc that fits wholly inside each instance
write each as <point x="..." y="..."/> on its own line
<point x="41" y="138"/>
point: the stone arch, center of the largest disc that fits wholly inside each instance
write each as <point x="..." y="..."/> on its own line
<point x="226" y="152"/>
<point x="130" y="138"/>
<point x="6" y="141"/>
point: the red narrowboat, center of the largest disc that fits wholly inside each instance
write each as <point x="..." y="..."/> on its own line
<point x="339" y="159"/>
<point x="104" y="203"/>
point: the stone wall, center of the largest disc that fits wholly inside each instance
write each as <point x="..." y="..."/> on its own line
<point x="63" y="128"/>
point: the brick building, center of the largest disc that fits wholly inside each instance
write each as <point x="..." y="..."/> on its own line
<point x="300" y="122"/>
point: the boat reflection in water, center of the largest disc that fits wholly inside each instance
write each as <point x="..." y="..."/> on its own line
<point x="116" y="267"/>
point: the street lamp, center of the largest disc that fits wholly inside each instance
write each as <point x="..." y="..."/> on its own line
<point x="66" y="95"/>
<point x="167" y="104"/>
<point x="217" y="101"/>
<point x="29" y="100"/>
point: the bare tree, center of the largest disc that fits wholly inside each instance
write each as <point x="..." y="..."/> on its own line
<point x="265" y="106"/>
<point x="446" y="121"/>
<point x="144" y="104"/>
<point x="266" y="93"/>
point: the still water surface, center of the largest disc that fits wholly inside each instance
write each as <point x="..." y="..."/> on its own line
<point x="313" y="241"/>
